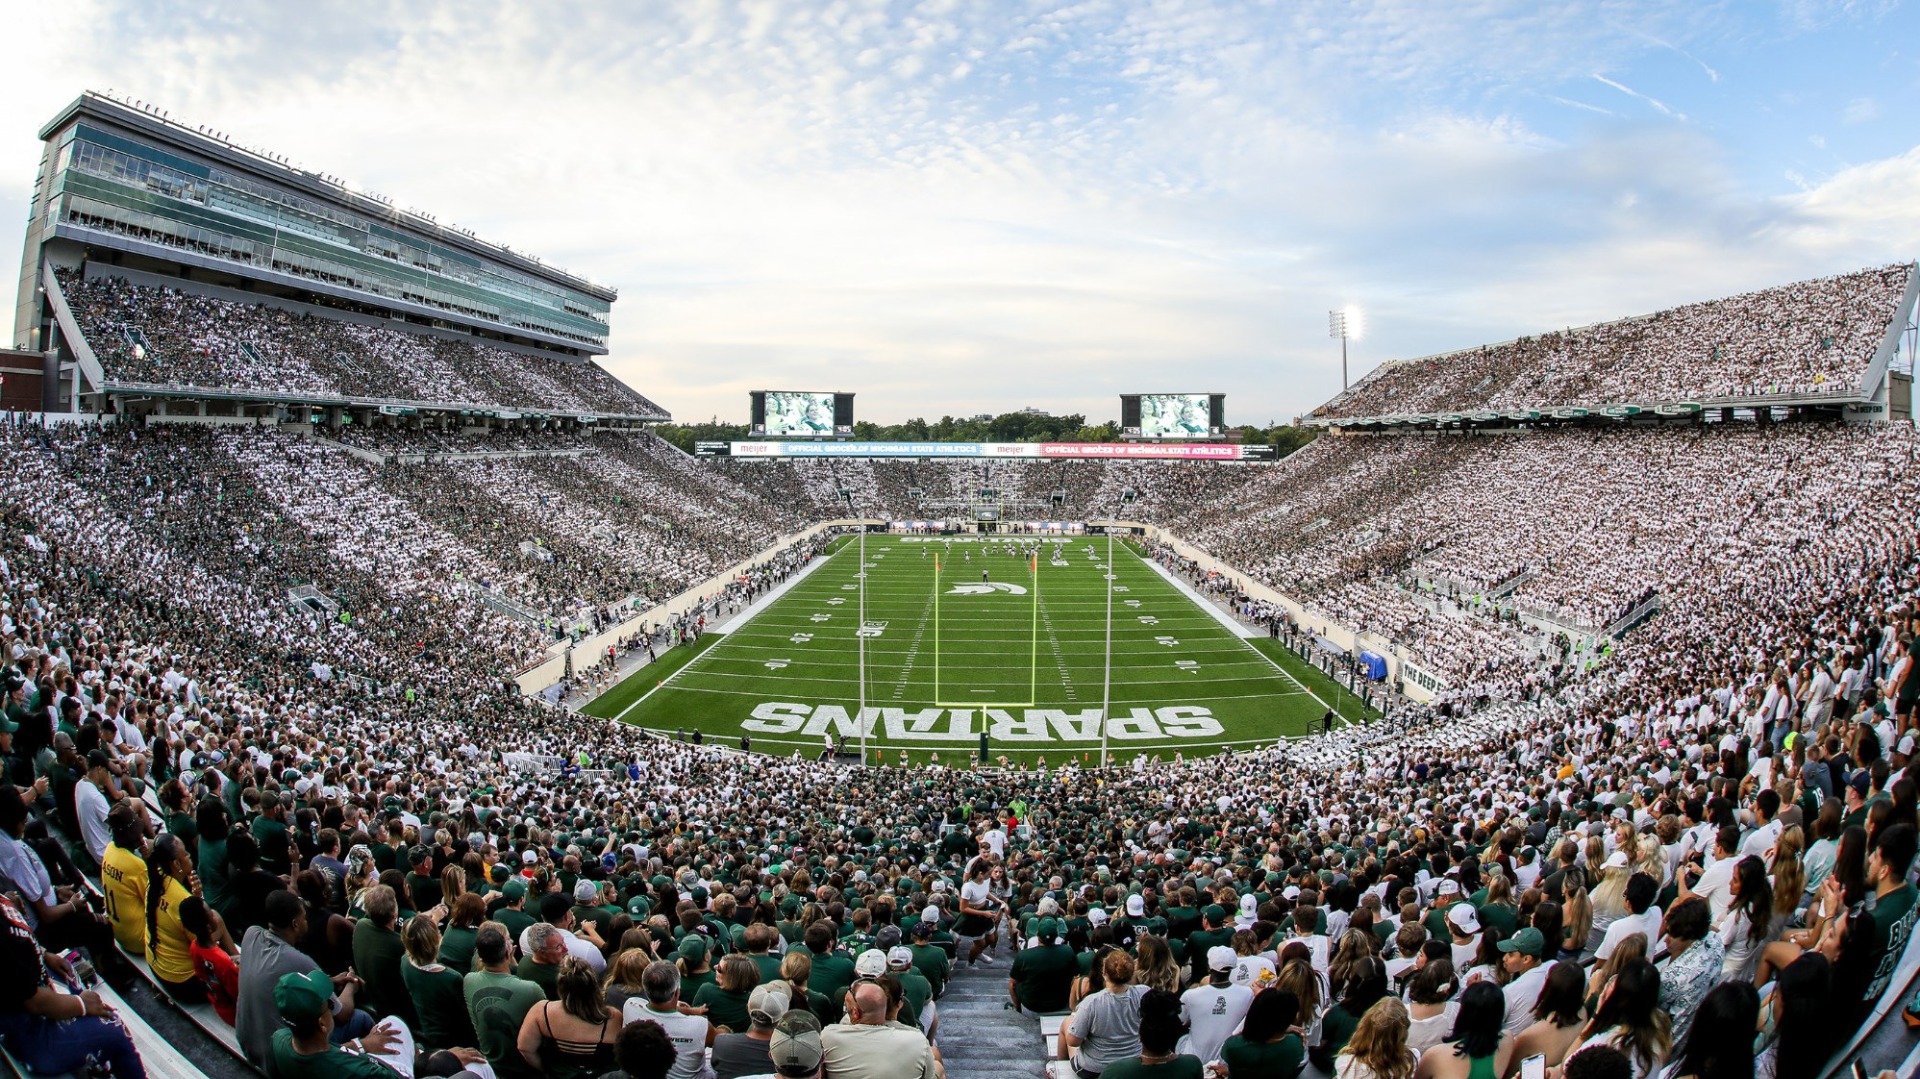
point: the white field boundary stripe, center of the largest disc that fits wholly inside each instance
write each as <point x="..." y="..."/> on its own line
<point x="720" y="641"/>
<point x="1232" y="624"/>
<point x="1083" y="655"/>
<point x="1189" y="681"/>
<point x="1175" y="699"/>
<point x="752" y="610"/>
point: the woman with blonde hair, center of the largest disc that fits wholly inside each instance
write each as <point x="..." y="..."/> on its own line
<point x="1157" y="969"/>
<point x="1609" y="898"/>
<point x="623" y="977"/>
<point x="1789" y="874"/>
<point x="1499" y="911"/>
<point x="796" y="969"/>
<point x="439" y="996"/>
<point x="1378" y="1048"/>
<point x="1354" y="946"/>
<point x="1631" y="949"/>
<point x="453" y="884"/>
<point x="575" y="1040"/>
<point x="1652" y="859"/>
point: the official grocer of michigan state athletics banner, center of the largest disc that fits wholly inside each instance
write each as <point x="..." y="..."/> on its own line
<point x="1187" y="451"/>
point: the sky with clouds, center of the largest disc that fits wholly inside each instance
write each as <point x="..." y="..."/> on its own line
<point x="961" y="207"/>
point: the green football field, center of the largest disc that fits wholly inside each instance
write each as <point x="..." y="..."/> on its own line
<point x="969" y="633"/>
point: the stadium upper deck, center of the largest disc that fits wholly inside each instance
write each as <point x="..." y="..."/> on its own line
<point x="125" y="193"/>
<point x="1824" y="341"/>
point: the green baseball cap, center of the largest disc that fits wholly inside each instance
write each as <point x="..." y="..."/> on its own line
<point x="303" y="996"/>
<point x="693" y="946"/>
<point x="1215" y="913"/>
<point x="1528" y="941"/>
<point x="514" y="889"/>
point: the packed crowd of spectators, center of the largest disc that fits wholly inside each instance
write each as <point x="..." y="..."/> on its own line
<point x="163" y="336"/>
<point x="1598" y="522"/>
<point x="344" y="827"/>
<point x="1694" y="855"/>
<point x="1806" y="338"/>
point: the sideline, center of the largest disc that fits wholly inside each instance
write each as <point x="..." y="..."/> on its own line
<point x="1244" y="632"/>
<point x="719" y="631"/>
<point x="1234" y="625"/>
<point x="750" y="611"/>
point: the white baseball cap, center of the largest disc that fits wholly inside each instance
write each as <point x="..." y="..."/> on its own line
<point x="1464" y="919"/>
<point x="1136" y="907"/>
<point x="1221" y="957"/>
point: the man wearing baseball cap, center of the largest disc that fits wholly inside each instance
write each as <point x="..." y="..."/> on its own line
<point x="915" y="987"/>
<point x="1523" y="955"/>
<point x="1445" y="895"/>
<point x="1218" y="933"/>
<point x="1214" y="1010"/>
<point x="746" y="1053"/>
<point x="794" y="1050"/>
<point x="304" y="1048"/>
<point x="1464" y="925"/>
<point x="928" y="957"/>
<point x="1042" y="976"/>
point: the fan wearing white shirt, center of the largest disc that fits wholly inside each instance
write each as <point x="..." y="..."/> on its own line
<point x="1766" y="812"/>
<point x="1523" y="957"/>
<point x="1715" y="885"/>
<point x="1213" y="1011"/>
<point x="1464" y="924"/>
<point x="1644" y="919"/>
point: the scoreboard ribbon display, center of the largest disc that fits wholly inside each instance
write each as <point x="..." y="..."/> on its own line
<point x="1187" y="451"/>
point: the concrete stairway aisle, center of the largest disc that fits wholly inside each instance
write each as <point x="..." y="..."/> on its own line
<point x="978" y="1038"/>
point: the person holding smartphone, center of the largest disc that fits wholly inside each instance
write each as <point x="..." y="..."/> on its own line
<point x="50" y="1030"/>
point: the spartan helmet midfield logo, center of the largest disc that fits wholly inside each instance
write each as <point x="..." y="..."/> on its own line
<point x="987" y="589"/>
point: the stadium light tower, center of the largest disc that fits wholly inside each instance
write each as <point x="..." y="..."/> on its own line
<point x="1347" y="324"/>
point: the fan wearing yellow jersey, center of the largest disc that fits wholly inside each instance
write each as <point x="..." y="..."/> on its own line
<point x="123" y="876"/>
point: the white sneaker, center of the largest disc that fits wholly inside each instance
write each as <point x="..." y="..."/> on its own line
<point x="985" y="960"/>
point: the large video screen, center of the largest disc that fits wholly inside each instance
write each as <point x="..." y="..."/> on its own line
<point x="801" y="414"/>
<point x="1176" y="415"/>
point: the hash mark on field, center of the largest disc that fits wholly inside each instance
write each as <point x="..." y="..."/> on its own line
<point x="1059" y="656"/>
<point x="913" y="650"/>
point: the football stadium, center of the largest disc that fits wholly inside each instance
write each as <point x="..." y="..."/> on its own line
<point x="398" y="683"/>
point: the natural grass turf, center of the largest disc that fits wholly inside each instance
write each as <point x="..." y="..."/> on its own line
<point x="1039" y="665"/>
